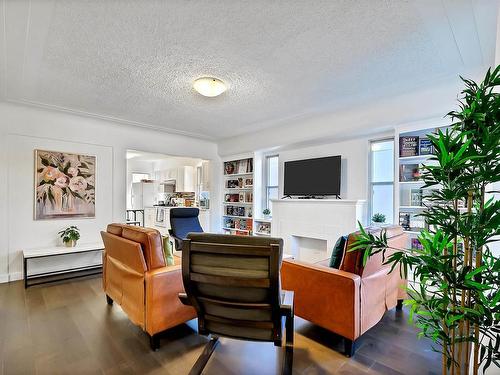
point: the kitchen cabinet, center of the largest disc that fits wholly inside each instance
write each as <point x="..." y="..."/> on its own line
<point x="149" y="217"/>
<point x="185" y="181"/>
<point x="185" y="178"/>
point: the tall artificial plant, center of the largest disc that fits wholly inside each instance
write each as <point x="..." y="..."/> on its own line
<point x="455" y="297"/>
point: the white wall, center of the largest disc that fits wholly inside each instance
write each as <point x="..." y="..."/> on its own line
<point x="354" y="180"/>
<point x="23" y="128"/>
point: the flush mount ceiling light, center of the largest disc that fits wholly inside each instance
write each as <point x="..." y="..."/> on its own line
<point x="209" y="86"/>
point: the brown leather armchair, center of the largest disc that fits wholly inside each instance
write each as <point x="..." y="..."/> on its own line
<point x="136" y="277"/>
<point x="349" y="300"/>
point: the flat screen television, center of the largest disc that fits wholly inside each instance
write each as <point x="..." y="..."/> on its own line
<point x="319" y="176"/>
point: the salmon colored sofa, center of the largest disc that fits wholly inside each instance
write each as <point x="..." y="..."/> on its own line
<point x="350" y="300"/>
<point x="136" y="277"/>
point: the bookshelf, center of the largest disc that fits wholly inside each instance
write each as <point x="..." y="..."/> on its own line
<point x="413" y="151"/>
<point x="238" y="198"/>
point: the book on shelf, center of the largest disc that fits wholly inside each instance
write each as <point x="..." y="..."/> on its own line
<point x="248" y="183"/>
<point x="404" y="220"/>
<point x="408" y="146"/>
<point x="238" y="166"/>
<point x="248" y="197"/>
<point x="230" y="167"/>
<point x="416" y="197"/>
<point x="242" y="166"/>
<point x="231" y="198"/>
<point x="425" y="146"/>
<point x="416" y="245"/>
<point x="235" y="210"/>
<point x="409" y="172"/>
<point x="264" y="228"/>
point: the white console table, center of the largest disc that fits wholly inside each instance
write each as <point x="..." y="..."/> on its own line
<point x="310" y="227"/>
<point x="60" y="251"/>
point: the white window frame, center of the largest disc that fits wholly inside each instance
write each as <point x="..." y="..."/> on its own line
<point x="266" y="187"/>
<point x="370" y="176"/>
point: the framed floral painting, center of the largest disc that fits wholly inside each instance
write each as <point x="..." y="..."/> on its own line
<point x="64" y="185"/>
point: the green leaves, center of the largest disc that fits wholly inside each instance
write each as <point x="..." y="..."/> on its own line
<point x="456" y="276"/>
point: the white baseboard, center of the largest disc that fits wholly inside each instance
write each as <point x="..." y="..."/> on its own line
<point x="6" y="277"/>
<point x="15" y="276"/>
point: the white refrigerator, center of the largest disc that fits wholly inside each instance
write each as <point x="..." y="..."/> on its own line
<point x="143" y="194"/>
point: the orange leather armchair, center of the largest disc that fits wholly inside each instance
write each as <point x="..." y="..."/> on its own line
<point x="136" y="277"/>
<point x="349" y="300"/>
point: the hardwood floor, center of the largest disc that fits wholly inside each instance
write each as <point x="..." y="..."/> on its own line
<point x="68" y="328"/>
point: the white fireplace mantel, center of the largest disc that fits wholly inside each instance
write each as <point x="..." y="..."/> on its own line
<point x="310" y="227"/>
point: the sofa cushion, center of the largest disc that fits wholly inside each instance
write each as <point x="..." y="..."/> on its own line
<point x="151" y="244"/>
<point x="338" y="252"/>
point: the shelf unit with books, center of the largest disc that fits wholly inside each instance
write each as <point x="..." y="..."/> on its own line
<point x="238" y="198"/>
<point x="414" y="152"/>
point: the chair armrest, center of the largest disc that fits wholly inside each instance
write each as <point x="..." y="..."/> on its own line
<point x="325" y="296"/>
<point x="163" y="307"/>
<point x="287" y="301"/>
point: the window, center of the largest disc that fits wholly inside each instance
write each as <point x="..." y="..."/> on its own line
<point x="138" y="177"/>
<point x="382" y="179"/>
<point x="271" y="180"/>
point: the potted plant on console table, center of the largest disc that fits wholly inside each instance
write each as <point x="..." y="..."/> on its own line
<point x="70" y="236"/>
<point x="455" y="299"/>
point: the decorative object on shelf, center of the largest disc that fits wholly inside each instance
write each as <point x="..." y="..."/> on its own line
<point x="408" y="146"/>
<point x="64" y="185"/>
<point x="267" y="213"/>
<point x="409" y="172"/>
<point x="456" y="304"/>
<point x="425" y="146"/>
<point x="378" y="218"/>
<point x="70" y="236"/>
<point x="248" y="183"/>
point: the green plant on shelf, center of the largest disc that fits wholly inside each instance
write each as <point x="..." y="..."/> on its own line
<point x="378" y="218"/>
<point x="266" y="212"/>
<point x="457" y="300"/>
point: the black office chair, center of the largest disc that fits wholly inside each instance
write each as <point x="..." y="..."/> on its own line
<point x="182" y="222"/>
<point x="233" y="282"/>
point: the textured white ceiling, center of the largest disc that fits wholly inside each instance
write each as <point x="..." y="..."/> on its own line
<point x="135" y="61"/>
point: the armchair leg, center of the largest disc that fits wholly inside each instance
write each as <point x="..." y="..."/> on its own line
<point x="289" y="331"/>
<point x="154" y="342"/>
<point x="349" y="347"/>
<point x="109" y="301"/>
<point x="202" y="360"/>
<point x="399" y="306"/>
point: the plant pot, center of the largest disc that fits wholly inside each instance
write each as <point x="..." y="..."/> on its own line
<point x="70" y="243"/>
